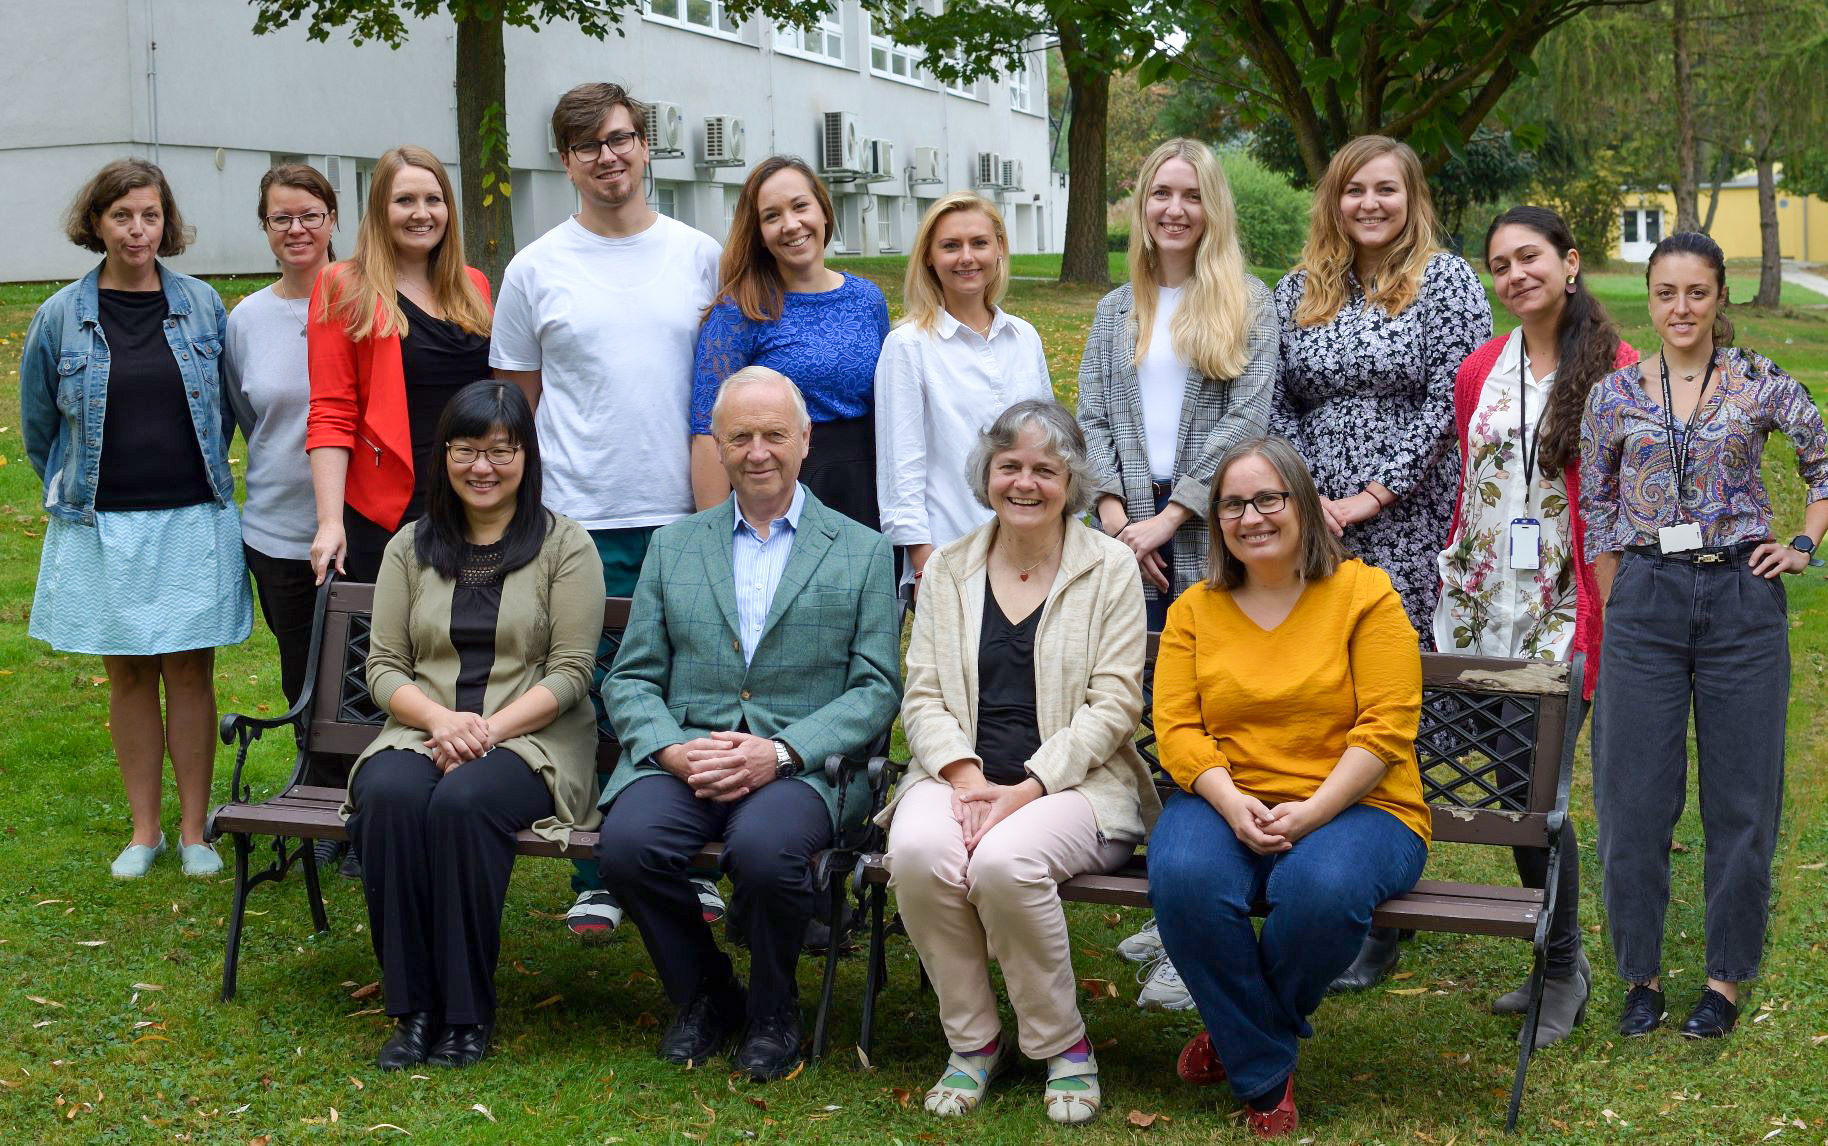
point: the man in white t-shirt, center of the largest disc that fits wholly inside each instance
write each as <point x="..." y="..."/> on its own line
<point x="597" y="321"/>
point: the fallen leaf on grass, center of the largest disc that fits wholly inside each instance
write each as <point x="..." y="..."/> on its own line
<point x="1401" y="975"/>
<point x="1407" y="991"/>
<point x="1678" y="846"/>
<point x="522" y="968"/>
<point x="547" y="1001"/>
<point x="902" y="1095"/>
<point x="1800" y="867"/>
<point x="1106" y="1045"/>
<point x="758" y="1103"/>
<point x="636" y="977"/>
<point x="367" y="1011"/>
<point x="1140" y="1120"/>
<point x="152" y="1038"/>
<point x="147" y="987"/>
<point x="1762" y="1016"/>
<point x="91" y="942"/>
<point x="646" y="1020"/>
<point x="44" y="1002"/>
<point x="862" y="1059"/>
<point x="483" y="1110"/>
<point x="1113" y="919"/>
<point x="389" y="1126"/>
<point x="1099" y="988"/>
<point x="333" y="1114"/>
<point x="1091" y="952"/>
<point x="1817" y="1040"/>
<point x="367" y="990"/>
<point x="796" y="1073"/>
<point x="43" y="1023"/>
<point x="44" y="902"/>
<point x="356" y="1082"/>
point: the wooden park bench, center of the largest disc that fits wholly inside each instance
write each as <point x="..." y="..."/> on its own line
<point x="1496" y="747"/>
<point x="335" y="715"/>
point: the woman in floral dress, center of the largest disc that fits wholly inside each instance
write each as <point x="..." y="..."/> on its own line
<point x="1513" y="583"/>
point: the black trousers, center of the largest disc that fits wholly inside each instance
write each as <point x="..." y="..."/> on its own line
<point x="436" y="852"/>
<point x="288" y="593"/>
<point x="840" y="468"/>
<point x="649" y="836"/>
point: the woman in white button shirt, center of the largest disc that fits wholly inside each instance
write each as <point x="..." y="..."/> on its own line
<point x="947" y="370"/>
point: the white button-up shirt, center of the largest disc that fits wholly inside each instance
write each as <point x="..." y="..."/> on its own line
<point x="936" y="390"/>
<point x="756" y="566"/>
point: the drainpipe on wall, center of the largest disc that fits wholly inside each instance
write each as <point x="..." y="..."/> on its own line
<point x="152" y="80"/>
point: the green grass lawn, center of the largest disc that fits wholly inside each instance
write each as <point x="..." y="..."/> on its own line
<point x="114" y="1034"/>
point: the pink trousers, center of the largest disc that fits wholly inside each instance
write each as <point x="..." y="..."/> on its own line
<point x="1000" y="901"/>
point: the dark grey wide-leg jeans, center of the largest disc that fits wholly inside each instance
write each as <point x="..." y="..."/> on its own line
<point x="1716" y="637"/>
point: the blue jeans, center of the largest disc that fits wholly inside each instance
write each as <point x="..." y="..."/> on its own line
<point x="1255" y="993"/>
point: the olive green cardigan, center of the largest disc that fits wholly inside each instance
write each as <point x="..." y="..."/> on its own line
<point x="546" y="634"/>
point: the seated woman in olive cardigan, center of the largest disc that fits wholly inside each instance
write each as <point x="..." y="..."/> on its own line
<point x="1287" y="691"/>
<point x="487" y="613"/>
<point x="1024" y="689"/>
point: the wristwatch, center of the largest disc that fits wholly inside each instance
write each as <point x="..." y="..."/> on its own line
<point x="1803" y="544"/>
<point x="784" y="763"/>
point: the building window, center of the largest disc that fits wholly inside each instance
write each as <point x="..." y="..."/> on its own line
<point x="824" y="41"/>
<point x="892" y="60"/>
<point x="1021" y="88"/>
<point x="708" y="15"/>
<point x="665" y="201"/>
<point x="731" y="194"/>
<point x="888" y="223"/>
<point x="966" y="88"/>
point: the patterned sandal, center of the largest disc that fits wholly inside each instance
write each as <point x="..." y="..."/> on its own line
<point x="1072" y="1093"/>
<point x="967" y="1077"/>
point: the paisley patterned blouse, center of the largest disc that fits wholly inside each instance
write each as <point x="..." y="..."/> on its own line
<point x="1627" y="479"/>
<point x="1369" y="397"/>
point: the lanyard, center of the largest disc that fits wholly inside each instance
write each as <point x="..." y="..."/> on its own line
<point x="1678" y="443"/>
<point x="1527" y="441"/>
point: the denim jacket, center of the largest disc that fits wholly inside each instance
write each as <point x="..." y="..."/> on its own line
<point x="63" y="388"/>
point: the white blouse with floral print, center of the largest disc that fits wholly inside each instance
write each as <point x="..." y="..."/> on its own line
<point x="1486" y="607"/>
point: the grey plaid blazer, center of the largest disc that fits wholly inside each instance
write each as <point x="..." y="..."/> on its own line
<point x="1216" y="414"/>
<point x="826" y="674"/>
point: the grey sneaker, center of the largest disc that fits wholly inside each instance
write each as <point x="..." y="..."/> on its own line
<point x="1143" y="947"/>
<point x="1162" y="989"/>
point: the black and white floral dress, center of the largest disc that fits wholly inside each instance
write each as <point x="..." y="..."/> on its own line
<point x="1369" y="397"/>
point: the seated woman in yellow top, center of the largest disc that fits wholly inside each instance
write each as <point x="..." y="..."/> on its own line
<point x="1287" y="691"/>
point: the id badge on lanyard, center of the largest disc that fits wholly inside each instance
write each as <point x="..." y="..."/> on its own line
<point x="1526" y="543"/>
<point x="1525" y="532"/>
<point x="1687" y="535"/>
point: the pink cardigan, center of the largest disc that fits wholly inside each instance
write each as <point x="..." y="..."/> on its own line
<point x="1469" y="381"/>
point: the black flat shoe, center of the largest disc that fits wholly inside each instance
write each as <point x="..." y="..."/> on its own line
<point x="771" y="1047"/>
<point x="703" y="1026"/>
<point x="1376" y="959"/>
<point x="461" y="1044"/>
<point x="1712" y="1018"/>
<point x="411" y="1041"/>
<point x="351" y="867"/>
<point x="1643" y="1012"/>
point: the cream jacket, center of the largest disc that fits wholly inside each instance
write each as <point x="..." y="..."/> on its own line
<point x="1089" y="649"/>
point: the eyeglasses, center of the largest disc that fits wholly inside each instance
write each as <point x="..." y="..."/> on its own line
<point x="467" y="455"/>
<point x="310" y="221"/>
<point x="618" y="142"/>
<point x="1266" y="503"/>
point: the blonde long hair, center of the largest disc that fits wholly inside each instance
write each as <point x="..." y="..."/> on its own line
<point x="922" y="296"/>
<point x="1212" y="327"/>
<point x="362" y="288"/>
<point x="1328" y="254"/>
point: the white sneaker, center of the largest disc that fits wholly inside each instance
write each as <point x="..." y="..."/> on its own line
<point x="1143" y="947"/>
<point x="594" y="914"/>
<point x="1162" y="988"/>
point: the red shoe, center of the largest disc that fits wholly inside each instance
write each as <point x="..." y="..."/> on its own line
<point x="1199" y="1063"/>
<point x="1275" y="1123"/>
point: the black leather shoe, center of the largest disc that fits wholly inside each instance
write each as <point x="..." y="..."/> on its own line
<point x="408" y="1045"/>
<point x="1376" y="959"/>
<point x="771" y="1047"/>
<point x="461" y="1044"/>
<point x="703" y="1026"/>
<point x="1712" y="1018"/>
<point x="1643" y="1012"/>
<point x="351" y="867"/>
<point x="819" y="931"/>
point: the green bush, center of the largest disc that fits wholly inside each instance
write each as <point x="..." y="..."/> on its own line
<point x="1117" y="237"/>
<point x="1272" y="213"/>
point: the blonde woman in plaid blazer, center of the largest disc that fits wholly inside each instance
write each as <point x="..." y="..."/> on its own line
<point x="1180" y="366"/>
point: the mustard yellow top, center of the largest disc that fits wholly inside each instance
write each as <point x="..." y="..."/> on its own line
<point x="1278" y="708"/>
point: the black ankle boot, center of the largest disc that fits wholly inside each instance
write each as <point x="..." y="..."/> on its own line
<point x="411" y="1041"/>
<point x="1376" y="959"/>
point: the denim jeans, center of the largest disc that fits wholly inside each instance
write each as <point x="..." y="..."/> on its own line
<point x="1255" y="993"/>
<point x="1716" y="637"/>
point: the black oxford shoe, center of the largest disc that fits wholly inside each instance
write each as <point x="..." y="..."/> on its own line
<point x="703" y="1026"/>
<point x="410" y="1042"/>
<point x="771" y="1048"/>
<point x="461" y="1044"/>
<point x="1712" y="1018"/>
<point x="1643" y="1011"/>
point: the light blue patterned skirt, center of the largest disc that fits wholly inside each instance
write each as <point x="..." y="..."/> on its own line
<point x="144" y="582"/>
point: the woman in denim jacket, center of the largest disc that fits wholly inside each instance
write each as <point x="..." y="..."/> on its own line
<point x="126" y="426"/>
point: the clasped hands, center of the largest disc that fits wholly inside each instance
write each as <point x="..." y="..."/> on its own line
<point x="978" y="805"/>
<point x="1145" y="538"/>
<point x="456" y="738"/>
<point x="1266" y="830"/>
<point x="722" y="766"/>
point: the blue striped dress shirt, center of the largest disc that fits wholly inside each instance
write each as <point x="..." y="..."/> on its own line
<point x="756" y="566"/>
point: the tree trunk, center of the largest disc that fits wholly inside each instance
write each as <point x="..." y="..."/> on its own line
<point x="1723" y="170"/>
<point x="1088" y="88"/>
<point x="482" y="84"/>
<point x="1770" y="263"/>
<point x="1688" y="213"/>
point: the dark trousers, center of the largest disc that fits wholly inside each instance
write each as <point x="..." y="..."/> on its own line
<point x="649" y="836"/>
<point x="840" y="468"/>
<point x="288" y="594"/>
<point x="1714" y="637"/>
<point x="436" y="852"/>
<point x="1156" y="602"/>
<point x="366" y="542"/>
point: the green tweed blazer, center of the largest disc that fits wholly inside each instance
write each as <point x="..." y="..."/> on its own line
<point x="826" y="674"/>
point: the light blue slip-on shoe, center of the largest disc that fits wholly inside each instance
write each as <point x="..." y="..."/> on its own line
<point x="199" y="860"/>
<point x="135" y="860"/>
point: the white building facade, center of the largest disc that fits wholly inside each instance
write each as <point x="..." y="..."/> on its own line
<point x="187" y="84"/>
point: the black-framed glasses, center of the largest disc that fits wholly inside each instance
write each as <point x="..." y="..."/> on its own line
<point x="310" y="221"/>
<point x="618" y="142"/>
<point x="1266" y="503"/>
<point x="467" y="455"/>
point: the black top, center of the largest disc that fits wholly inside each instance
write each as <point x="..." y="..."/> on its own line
<point x="475" y="606"/>
<point x="1007" y="731"/>
<point x="150" y="456"/>
<point x="438" y="358"/>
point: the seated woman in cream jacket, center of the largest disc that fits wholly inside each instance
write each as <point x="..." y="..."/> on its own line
<point x="1024" y="688"/>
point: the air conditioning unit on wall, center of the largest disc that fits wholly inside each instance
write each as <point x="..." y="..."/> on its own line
<point x="724" y="140"/>
<point x="989" y="173"/>
<point x="927" y="166"/>
<point x="841" y="146"/>
<point x="666" y="130"/>
<point x="881" y="161"/>
<point x="1012" y="175"/>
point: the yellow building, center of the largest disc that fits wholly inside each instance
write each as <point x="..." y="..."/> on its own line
<point x="1802" y="222"/>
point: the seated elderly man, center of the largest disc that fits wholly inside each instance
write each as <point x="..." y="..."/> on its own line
<point x="762" y="639"/>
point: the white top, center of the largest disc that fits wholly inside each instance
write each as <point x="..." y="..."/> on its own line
<point x="268" y="383"/>
<point x="1162" y="378"/>
<point x="935" y="392"/>
<point x="611" y="325"/>
<point x="1486" y="607"/>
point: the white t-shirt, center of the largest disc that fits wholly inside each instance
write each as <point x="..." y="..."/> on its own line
<point x="1162" y="377"/>
<point x="611" y="325"/>
<point x="269" y="388"/>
